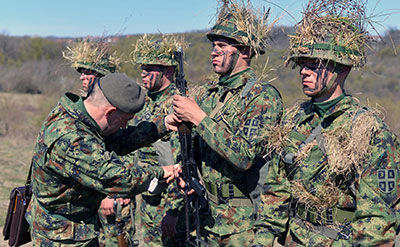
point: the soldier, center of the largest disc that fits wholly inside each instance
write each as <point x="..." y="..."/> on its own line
<point x="230" y="116"/>
<point x="158" y="66"/>
<point x="94" y="59"/>
<point x="340" y="157"/>
<point x="77" y="161"/>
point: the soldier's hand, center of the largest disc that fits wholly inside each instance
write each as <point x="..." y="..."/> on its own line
<point x="107" y="205"/>
<point x="168" y="225"/>
<point x="188" y="110"/>
<point x="172" y="122"/>
<point x="182" y="186"/>
<point x="171" y="172"/>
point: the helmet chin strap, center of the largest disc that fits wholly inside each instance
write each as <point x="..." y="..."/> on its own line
<point x="157" y="83"/>
<point x="326" y="86"/>
<point x="233" y="62"/>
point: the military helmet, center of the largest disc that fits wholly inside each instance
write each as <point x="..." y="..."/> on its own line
<point x="331" y="30"/>
<point x="151" y="51"/>
<point x="243" y="24"/>
<point x="87" y="54"/>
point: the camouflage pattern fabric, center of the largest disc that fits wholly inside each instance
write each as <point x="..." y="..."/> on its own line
<point x="228" y="144"/>
<point x="363" y="201"/>
<point x="163" y="152"/>
<point x="244" y="239"/>
<point x="74" y="167"/>
<point x="109" y="231"/>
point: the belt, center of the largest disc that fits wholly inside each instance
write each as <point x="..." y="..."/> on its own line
<point x="327" y="216"/>
<point x="224" y="193"/>
<point x="343" y="232"/>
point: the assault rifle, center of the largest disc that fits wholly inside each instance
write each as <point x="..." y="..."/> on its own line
<point x="197" y="201"/>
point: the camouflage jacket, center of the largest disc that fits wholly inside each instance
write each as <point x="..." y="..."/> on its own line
<point x="163" y="152"/>
<point x="73" y="170"/>
<point x="156" y="102"/>
<point x="344" y="177"/>
<point x="240" y="108"/>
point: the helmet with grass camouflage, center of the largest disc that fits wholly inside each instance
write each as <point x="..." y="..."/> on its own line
<point x="240" y="22"/>
<point x="86" y="54"/>
<point x="331" y="30"/>
<point x="151" y="51"/>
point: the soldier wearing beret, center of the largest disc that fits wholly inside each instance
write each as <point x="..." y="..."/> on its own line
<point x="94" y="59"/>
<point x="77" y="161"/>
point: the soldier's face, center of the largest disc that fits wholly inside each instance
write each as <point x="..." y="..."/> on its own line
<point x="87" y="79"/>
<point x="315" y="76"/>
<point x="222" y="56"/>
<point x="152" y="77"/>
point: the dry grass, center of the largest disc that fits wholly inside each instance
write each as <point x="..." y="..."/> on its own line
<point x="327" y="195"/>
<point x="22" y="115"/>
<point x="94" y="52"/>
<point x="249" y="20"/>
<point x="349" y="145"/>
<point x="277" y="136"/>
<point x="148" y="47"/>
<point x="334" y="22"/>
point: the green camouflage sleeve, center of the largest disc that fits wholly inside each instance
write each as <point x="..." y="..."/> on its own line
<point x="378" y="193"/>
<point x="85" y="160"/>
<point x="174" y="200"/>
<point x="238" y="145"/>
<point x="145" y="133"/>
<point x="272" y="214"/>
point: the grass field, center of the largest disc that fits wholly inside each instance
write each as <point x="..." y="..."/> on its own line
<point x="20" y="117"/>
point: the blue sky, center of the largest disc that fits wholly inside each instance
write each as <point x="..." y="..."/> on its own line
<point x="75" y="18"/>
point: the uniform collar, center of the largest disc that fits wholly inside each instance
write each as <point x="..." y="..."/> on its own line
<point x="322" y="107"/>
<point x="155" y="96"/>
<point x="333" y="112"/>
<point x="76" y="109"/>
<point x="237" y="80"/>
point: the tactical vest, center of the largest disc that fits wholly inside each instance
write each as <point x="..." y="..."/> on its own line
<point x="320" y="220"/>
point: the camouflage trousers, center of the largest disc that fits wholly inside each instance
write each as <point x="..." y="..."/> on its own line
<point x="109" y="231"/>
<point x="41" y="241"/>
<point x="152" y="211"/>
<point x="242" y="239"/>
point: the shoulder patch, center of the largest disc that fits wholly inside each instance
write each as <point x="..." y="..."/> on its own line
<point x="250" y="127"/>
<point x="386" y="180"/>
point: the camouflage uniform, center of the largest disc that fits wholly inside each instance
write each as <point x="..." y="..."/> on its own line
<point x="365" y="210"/>
<point x="239" y="109"/>
<point x="163" y="152"/>
<point x="96" y="56"/>
<point x="341" y="159"/>
<point x="74" y="167"/>
<point x="159" y="53"/>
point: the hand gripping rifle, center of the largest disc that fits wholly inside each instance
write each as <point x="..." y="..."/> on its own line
<point x="196" y="201"/>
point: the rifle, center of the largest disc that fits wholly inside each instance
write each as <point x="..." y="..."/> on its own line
<point x="197" y="201"/>
<point x="120" y="224"/>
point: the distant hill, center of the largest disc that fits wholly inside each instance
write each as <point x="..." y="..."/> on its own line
<point x="35" y="65"/>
